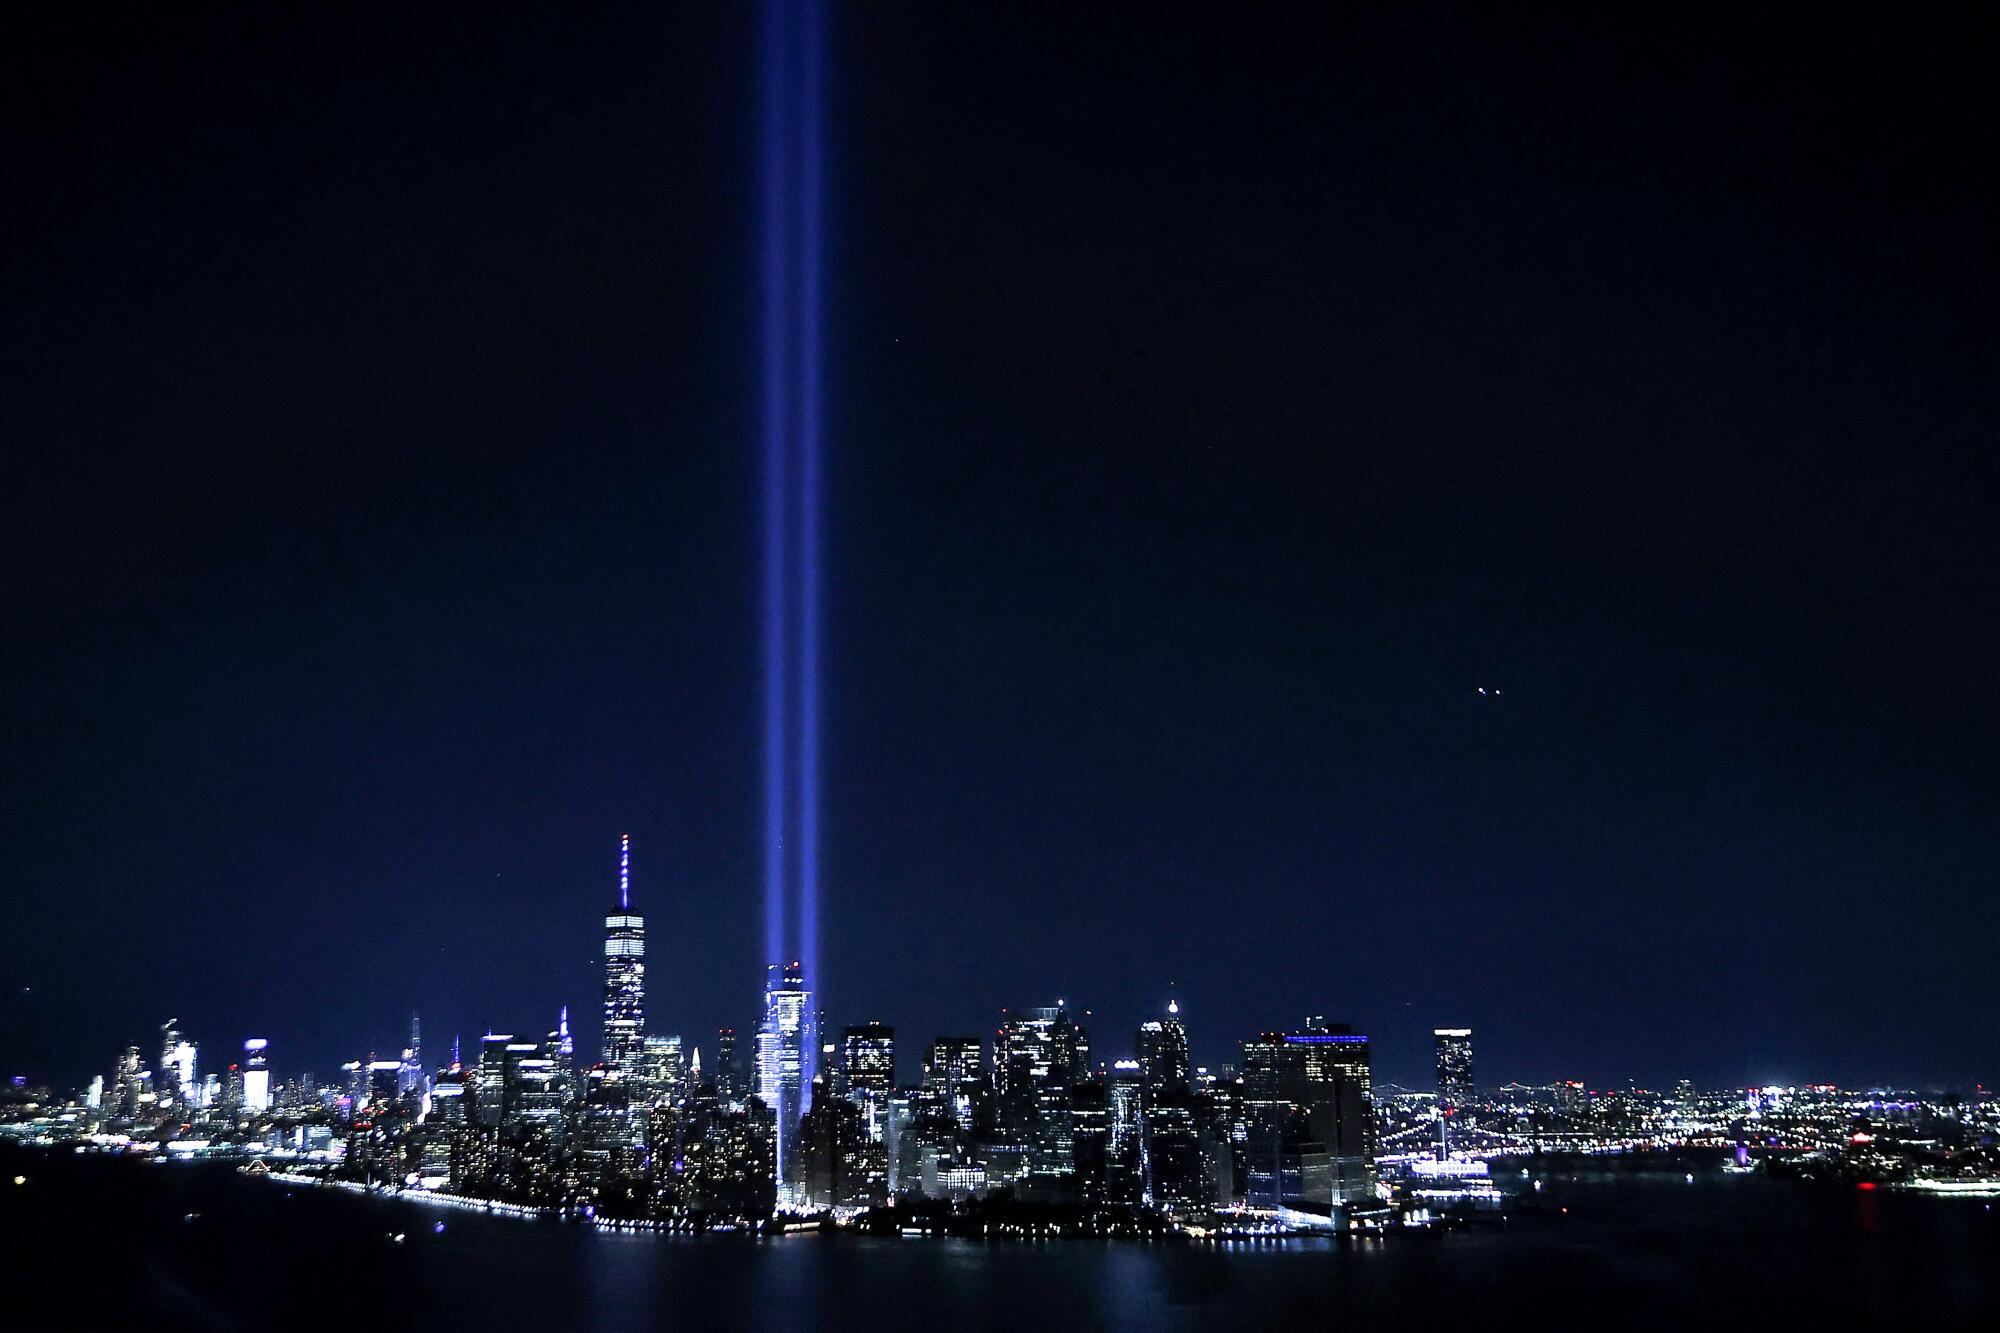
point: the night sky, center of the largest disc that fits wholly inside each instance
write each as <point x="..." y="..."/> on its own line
<point x="1215" y="403"/>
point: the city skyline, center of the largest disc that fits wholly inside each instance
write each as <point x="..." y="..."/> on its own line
<point x="766" y="1069"/>
<point x="985" y="666"/>
<point x="620" y="969"/>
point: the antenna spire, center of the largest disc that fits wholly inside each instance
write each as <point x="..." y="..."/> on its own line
<point x="625" y="872"/>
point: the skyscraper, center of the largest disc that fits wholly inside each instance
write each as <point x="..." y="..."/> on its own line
<point x="497" y="1085"/>
<point x="953" y="1075"/>
<point x="868" y="1060"/>
<point x="542" y="1102"/>
<point x="187" y="1085"/>
<point x="561" y="1052"/>
<point x="1039" y="1054"/>
<point x="662" y="1074"/>
<point x="782" y="1041"/>
<point x="167" y="1088"/>
<point x="624" y="972"/>
<point x="559" y="1040"/>
<point x="610" y="1138"/>
<point x="1309" y="1115"/>
<point x="256" y="1076"/>
<point x="410" y="1075"/>
<point x="1163" y="1052"/>
<point x="1454" y="1069"/>
<point x="130" y="1083"/>
<point x="728" y="1073"/>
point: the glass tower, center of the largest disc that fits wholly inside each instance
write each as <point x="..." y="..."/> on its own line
<point x="868" y="1060"/>
<point x="624" y="973"/>
<point x="782" y="1041"/>
<point x="1454" y="1068"/>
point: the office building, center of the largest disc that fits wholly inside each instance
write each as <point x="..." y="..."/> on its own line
<point x="868" y="1061"/>
<point x="624" y="972"/>
<point x="256" y="1076"/>
<point x="1162" y="1047"/>
<point x="783" y="1040"/>
<point x="1454" y="1069"/>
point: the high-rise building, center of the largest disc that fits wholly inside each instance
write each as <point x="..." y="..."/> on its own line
<point x="1125" y="1125"/>
<point x="1454" y="1083"/>
<point x="563" y="1051"/>
<point x="662" y="1074"/>
<point x="728" y="1070"/>
<point x="256" y="1076"/>
<point x="167" y="1088"/>
<point x="624" y="972"/>
<point x="1163" y="1052"/>
<point x="1034" y="1045"/>
<point x="1309" y="1118"/>
<point x="868" y="1061"/>
<point x="783" y="1039"/>
<point x="451" y="1108"/>
<point x="866" y="1142"/>
<point x="1038" y="1056"/>
<point x="185" y="1082"/>
<point x="497" y="1086"/>
<point x="1454" y="1069"/>
<point x="540" y="1104"/>
<point x="610" y="1137"/>
<point x="954" y="1066"/>
<point x="1341" y="1107"/>
<point x="410" y="1075"/>
<point x="130" y="1084"/>
<point x="445" y="1153"/>
<point x="953" y="1075"/>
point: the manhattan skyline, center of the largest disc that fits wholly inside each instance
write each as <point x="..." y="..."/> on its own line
<point x="1417" y="519"/>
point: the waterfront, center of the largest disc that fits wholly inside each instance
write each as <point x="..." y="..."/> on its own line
<point x="170" y="1246"/>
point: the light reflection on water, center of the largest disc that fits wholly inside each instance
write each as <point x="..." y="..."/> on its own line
<point x="1735" y="1249"/>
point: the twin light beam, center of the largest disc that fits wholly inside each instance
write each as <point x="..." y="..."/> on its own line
<point x="793" y="38"/>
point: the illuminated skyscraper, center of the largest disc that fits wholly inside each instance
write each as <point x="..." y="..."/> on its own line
<point x="1038" y="1056"/>
<point x="1454" y="1075"/>
<point x="1034" y="1046"/>
<point x="410" y="1074"/>
<point x="1454" y="1069"/>
<point x="728" y="1073"/>
<point x="624" y="973"/>
<point x="187" y="1084"/>
<point x="542" y="1102"/>
<point x="167" y="1087"/>
<point x="256" y="1076"/>
<point x="610" y="1138"/>
<point x="175" y="1089"/>
<point x="1125" y="1126"/>
<point x="1163" y="1053"/>
<point x="497" y="1085"/>
<point x="868" y="1061"/>
<point x="1309" y="1115"/>
<point x="1340" y="1107"/>
<point x="561" y="1051"/>
<point x="662" y="1077"/>
<point x="782" y="1042"/>
<point x="129" y="1085"/>
<point x="953" y="1067"/>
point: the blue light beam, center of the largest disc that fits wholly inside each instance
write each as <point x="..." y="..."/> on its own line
<point x="792" y="171"/>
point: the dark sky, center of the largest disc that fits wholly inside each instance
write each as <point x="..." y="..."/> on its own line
<point x="1216" y="402"/>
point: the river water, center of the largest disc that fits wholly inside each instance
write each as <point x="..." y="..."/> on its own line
<point x="102" y="1243"/>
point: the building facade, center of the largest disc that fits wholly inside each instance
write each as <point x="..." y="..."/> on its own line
<point x="624" y="973"/>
